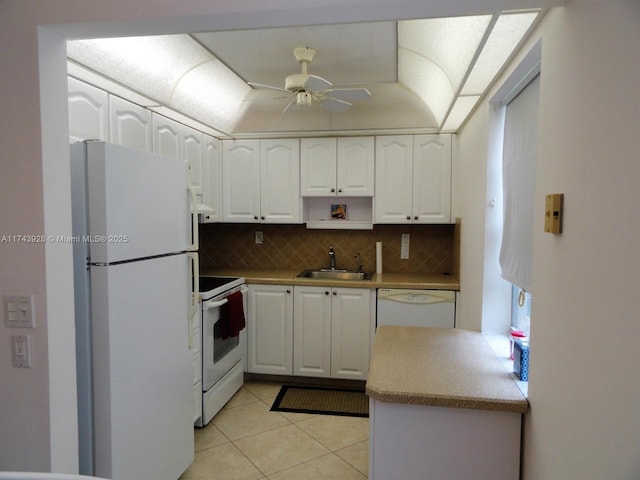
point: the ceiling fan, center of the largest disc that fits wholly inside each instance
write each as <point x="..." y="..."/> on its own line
<point x="307" y="89"/>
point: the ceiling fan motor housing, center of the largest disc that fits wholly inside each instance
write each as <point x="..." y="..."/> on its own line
<point x="296" y="82"/>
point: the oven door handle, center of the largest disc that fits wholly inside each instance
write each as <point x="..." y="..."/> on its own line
<point x="210" y="304"/>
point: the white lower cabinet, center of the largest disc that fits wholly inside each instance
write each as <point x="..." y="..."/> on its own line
<point x="331" y="332"/>
<point x="309" y="331"/>
<point x="270" y="329"/>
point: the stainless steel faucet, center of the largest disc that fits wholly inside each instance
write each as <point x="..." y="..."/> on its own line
<point x="332" y="259"/>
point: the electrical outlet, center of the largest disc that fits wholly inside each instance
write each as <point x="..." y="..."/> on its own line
<point x="404" y="247"/>
<point x="259" y="238"/>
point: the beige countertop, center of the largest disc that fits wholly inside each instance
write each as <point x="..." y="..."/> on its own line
<point x="440" y="367"/>
<point x="381" y="280"/>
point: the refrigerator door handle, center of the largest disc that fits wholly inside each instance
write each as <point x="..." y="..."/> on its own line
<point x="194" y="217"/>
<point x="195" y="294"/>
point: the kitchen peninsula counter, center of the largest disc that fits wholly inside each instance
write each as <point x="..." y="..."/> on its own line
<point x="441" y="405"/>
<point x="440" y="367"/>
<point x="425" y="281"/>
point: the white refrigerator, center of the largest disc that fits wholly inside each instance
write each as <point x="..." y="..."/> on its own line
<point x="134" y="260"/>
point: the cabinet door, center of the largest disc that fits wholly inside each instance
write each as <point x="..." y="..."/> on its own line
<point x="350" y="320"/>
<point x="166" y="136"/>
<point x="129" y="124"/>
<point x="394" y="187"/>
<point x="270" y="329"/>
<point x="312" y="331"/>
<point x="280" y="181"/>
<point x="318" y="157"/>
<point x="241" y="181"/>
<point x="212" y="179"/>
<point x="432" y="179"/>
<point x="355" y="168"/>
<point x="192" y="152"/>
<point x="88" y="112"/>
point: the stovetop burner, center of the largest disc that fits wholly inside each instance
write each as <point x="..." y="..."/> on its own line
<point x="210" y="286"/>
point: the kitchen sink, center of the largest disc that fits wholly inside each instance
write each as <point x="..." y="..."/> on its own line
<point x="327" y="274"/>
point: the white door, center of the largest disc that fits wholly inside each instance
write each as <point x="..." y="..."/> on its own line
<point x="432" y="178"/>
<point x="350" y="320"/>
<point x="280" y="181"/>
<point x="166" y="136"/>
<point x="241" y="180"/>
<point x="270" y="329"/>
<point x="143" y="380"/>
<point x="129" y="124"/>
<point x="355" y="168"/>
<point x="88" y="112"/>
<point x="394" y="185"/>
<point x="318" y="160"/>
<point x="312" y="331"/>
<point x="212" y="181"/>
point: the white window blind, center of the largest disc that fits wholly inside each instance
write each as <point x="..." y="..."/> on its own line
<point x="518" y="184"/>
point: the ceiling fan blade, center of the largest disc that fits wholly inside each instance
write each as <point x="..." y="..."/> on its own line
<point x="349" y="93"/>
<point x="268" y="87"/>
<point x="316" y="83"/>
<point x="334" y="104"/>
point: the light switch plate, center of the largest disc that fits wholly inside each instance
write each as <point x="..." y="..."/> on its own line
<point x="18" y="311"/>
<point x="553" y="213"/>
<point x="21" y="351"/>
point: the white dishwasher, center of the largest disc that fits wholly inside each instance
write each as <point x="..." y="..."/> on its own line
<point x="416" y="308"/>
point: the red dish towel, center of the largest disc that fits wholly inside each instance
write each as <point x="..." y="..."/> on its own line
<point x="232" y="316"/>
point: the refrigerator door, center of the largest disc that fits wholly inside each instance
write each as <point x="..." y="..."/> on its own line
<point x="138" y="204"/>
<point x="142" y="369"/>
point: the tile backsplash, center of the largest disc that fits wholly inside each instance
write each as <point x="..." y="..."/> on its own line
<point x="294" y="247"/>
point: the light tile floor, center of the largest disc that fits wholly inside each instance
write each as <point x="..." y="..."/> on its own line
<point x="246" y="441"/>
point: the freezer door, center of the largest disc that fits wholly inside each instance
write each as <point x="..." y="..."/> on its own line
<point x="143" y="374"/>
<point x="138" y="203"/>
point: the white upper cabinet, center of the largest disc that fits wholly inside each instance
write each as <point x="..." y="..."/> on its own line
<point x="318" y="162"/>
<point x="413" y="179"/>
<point x="88" y="112"/>
<point x="212" y="180"/>
<point x="432" y="178"/>
<point x="261" y="181"/>
<point x="394" y="185"/>
<point x="129" y="124"/>
<point x="241" y="181"/>
<point x="280" y="181"/>
<point x="167" y="138"/>
<point x="356" y="165"/>
<point x="337" y="166"/>
<point x="173" y="139"/>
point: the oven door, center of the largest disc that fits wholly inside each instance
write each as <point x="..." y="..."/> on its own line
<point x="218" y="355"/>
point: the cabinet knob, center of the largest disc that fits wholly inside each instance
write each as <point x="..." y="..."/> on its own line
<point x="255" y="217"/>
<point x="262" y="218"/>
<point x="335" y="293"/>
<point x="415" y="218"/>
<point x="288" y="290"/>
<point x="408" y="217"/>
<point x="326" y="292"/>
<point x="339" y="190"/>
<point x="333" y="190"/>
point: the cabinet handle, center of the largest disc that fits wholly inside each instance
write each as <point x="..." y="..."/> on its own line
<point x="288" y="290"/>
<point x="326" y="292"/>
<point x="408" y="217"/>
<point x="335" y="293"/>
<point x="255" y="217"/>
<point x="339" y="190"/>
<point x="262" y="218"/>
<point x="333" y="190"/>
<point x="415" y="218"/>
